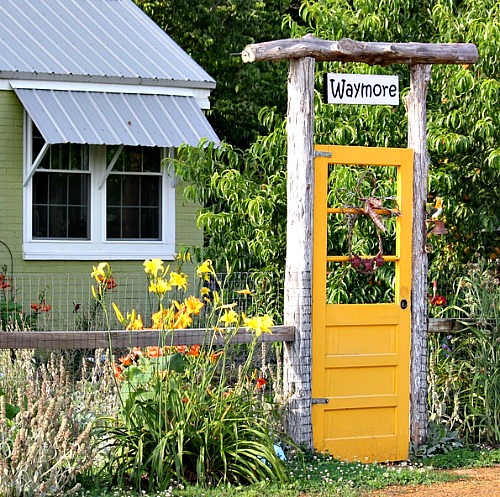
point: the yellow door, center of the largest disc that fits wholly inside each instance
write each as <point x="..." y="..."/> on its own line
<point x="361" y="352"/>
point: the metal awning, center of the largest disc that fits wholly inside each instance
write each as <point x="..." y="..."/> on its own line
<point x="102" y="118"/>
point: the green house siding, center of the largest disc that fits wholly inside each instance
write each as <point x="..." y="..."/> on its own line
<point x="11" y="174"/>
<point x="186" y="233"/>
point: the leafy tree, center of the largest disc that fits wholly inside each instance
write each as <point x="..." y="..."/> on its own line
<point x="463" y="130"/>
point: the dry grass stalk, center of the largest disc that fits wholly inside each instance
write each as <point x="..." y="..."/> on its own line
<point x="48" y="444"/>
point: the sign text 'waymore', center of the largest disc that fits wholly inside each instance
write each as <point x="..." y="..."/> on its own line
<point x="361" y="89"/>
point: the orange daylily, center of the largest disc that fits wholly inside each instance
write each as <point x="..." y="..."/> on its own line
<point x="215" y="355"/>
<point x="153" y="352"/>
<point x="194" y="350"/>
<point x="260" y="383"/>
<point x="118" y="371"/>
<point x="126" y="360"/>
<point x="193" y="305"/>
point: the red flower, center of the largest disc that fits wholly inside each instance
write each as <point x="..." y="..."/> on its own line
<point x="261" y="383"/>
<point x="439" y="300"/>
<point x="110" y="283"/>
<point x="194" y="350"/>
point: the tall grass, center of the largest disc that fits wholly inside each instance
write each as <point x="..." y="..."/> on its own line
<point x="46" y="445"/>
<point x="464" y="367"/>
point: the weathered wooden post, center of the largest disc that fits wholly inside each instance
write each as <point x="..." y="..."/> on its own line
<point x="302" y="53"/>
<point x="298" y="268"/>
<point x="416" y="107"/>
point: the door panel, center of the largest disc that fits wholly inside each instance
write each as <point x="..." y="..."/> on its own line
<point x="361" y="352"/>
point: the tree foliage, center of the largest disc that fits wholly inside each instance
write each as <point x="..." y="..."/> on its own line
<point x="243" y="192"/>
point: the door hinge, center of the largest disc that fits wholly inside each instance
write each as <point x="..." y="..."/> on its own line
<point x="319" y="153"/>
<point x="320" y="401"/>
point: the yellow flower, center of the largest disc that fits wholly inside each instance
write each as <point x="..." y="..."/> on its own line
<point x="160" y="287"/>
<point x="193" y="305"/>
<point x="246" y="291"/>
<point x="162" y="320"/>
<point x="101" y="272"/>
<point x="134" y="321"/>
<point x="205" y="290"/>
<point x="229" y="317"/>
<point x="183" y="321"/>
<point x="153" y="267"/>
<point x="184" y="256"/>
<point x="260" y="324"/>
<point x="203" y="269"/>
<point x="118" y="313"/>
<point x="179" y="280"/>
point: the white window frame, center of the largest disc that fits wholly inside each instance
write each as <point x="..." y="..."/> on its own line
<point x="97" y="248"/>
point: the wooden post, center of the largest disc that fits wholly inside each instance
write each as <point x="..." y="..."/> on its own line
<point x="298" y="269"/>
<point x="420" y="75"/>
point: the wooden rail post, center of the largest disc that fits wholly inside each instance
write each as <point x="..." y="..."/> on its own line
<point x="420" y="75"/>
<point x="298" y="269"/>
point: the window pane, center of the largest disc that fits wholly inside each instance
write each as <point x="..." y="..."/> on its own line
<point x="150" y="223"/>
<point x="61" y="205"/>
<point x="130" y="222"/>
<point x="41" y="189"/>
<point x="130" y="190"/>
<point x="113" y="223"/>
<point x="133" y="194"/>
<point x="150" y="191"/>
<point x="136" y="159"/>
<point x="58" y="191"/>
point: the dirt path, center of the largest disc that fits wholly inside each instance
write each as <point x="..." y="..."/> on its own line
<point x="477" y="482"/>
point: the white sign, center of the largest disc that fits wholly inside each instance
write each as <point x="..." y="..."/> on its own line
<point x="361" y="89"/>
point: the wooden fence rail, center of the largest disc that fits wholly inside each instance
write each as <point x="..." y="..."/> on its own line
<point x="58" y="340"/>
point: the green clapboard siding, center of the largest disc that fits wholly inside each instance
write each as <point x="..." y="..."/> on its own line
<point x="11" y="173"/>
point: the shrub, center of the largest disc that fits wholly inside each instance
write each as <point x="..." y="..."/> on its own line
<point x="464" y="367"/>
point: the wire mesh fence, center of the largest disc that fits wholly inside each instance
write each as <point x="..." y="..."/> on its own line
<point x="44" y="302"/>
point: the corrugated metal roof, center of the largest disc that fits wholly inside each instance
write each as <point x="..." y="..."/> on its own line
<point x="116" y="118"/>
<point x="91" y="40"/>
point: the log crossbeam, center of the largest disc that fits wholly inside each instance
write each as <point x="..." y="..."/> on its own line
<point x="372" y="53"/>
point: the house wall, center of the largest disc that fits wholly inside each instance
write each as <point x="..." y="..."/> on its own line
<point x="63" y="282"/>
